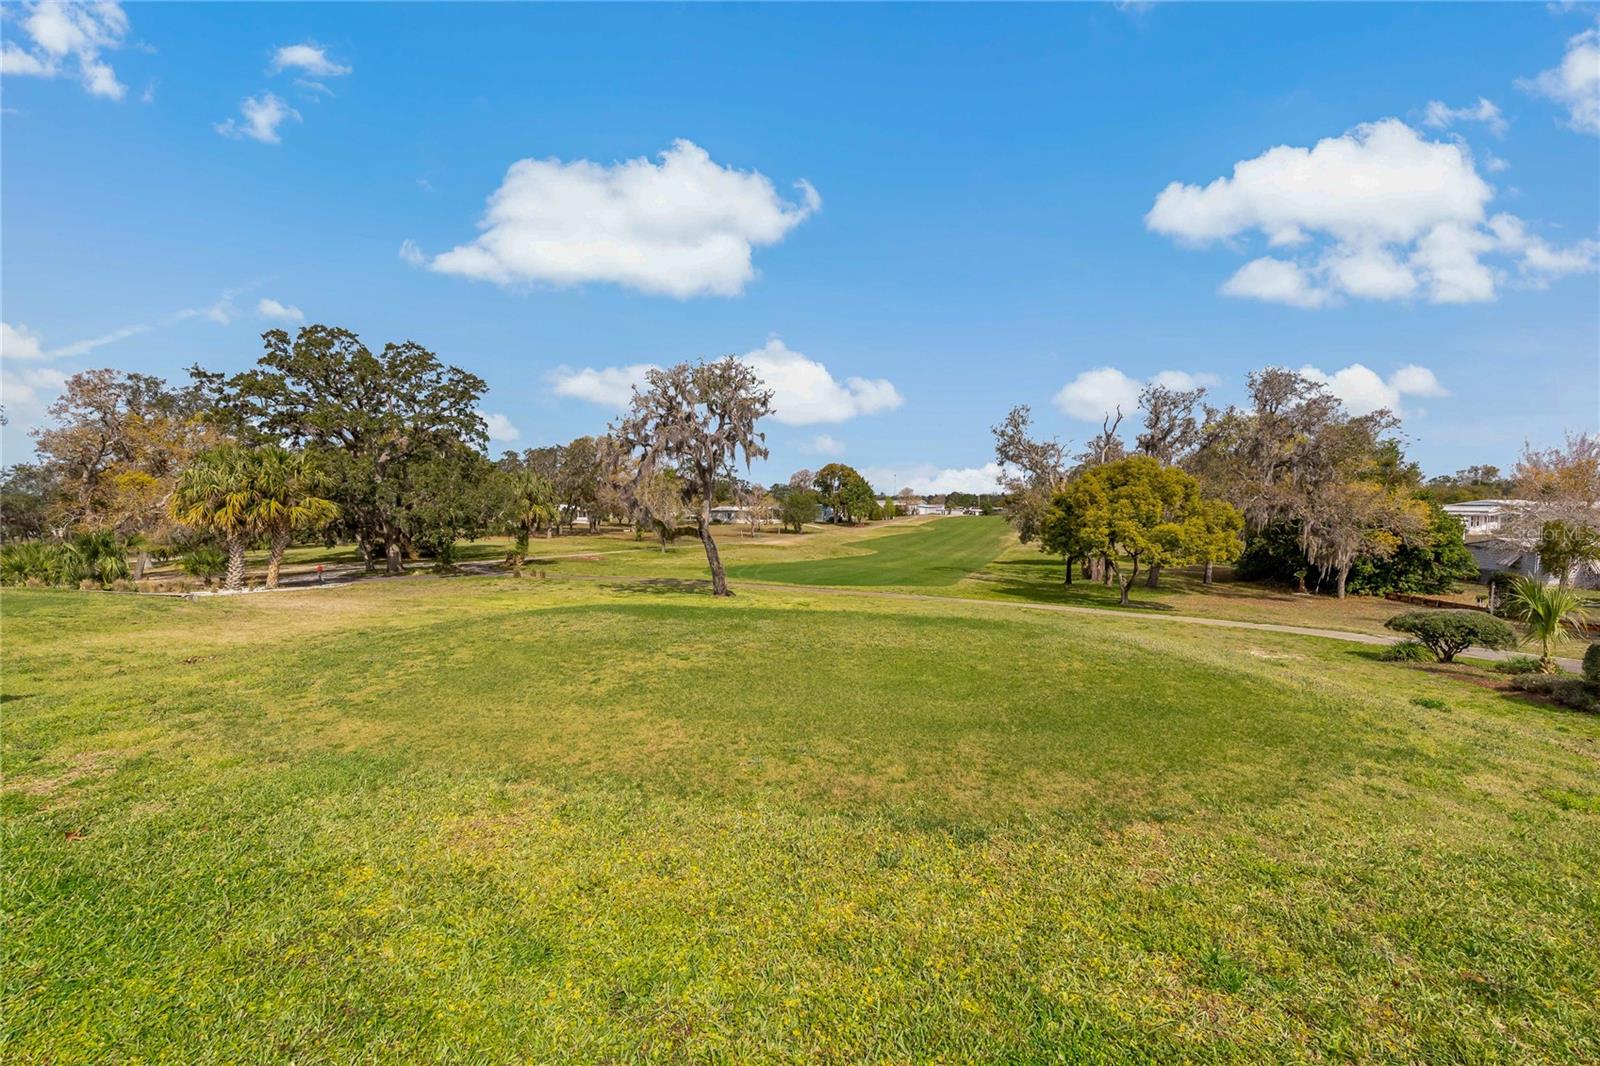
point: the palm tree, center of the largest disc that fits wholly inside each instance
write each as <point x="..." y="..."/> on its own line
<point x="532" y="505"/>
<point x="1549" y="612"/>
<point x="216" y="493"/>
<point x="285" y="499"/>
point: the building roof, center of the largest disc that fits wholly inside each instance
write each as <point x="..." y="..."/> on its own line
<point x="1482" y="506"/>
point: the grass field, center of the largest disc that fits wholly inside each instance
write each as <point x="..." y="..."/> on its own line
<point x="489" y="820"/>
<point x="929" y="554"/>
<point x="970" y="558"/>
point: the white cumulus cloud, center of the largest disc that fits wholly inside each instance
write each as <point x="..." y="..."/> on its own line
<point x="685" y="226"/>
<point x="310" y="58"/>
<point x="500" y="428"/>
<point x="19" y="342"/>
<point x="610" y="386"/>
<point x="269" y="308"/>
<point x="823" y="444"/>
<point x="1379" y="213"/>
<point x="1440" y="115"/>
<point x="1575" y="84"/>
<point x="1274" y="280"/>
<point x="805" y="392"/>
<point x="1363" y="391"/>
<point x="1094" y="394"/>
<point x="925" y="479"/>
<point x="68" y="38"/>
<point x="26" y="391"/>
<point x="260" y="117"/>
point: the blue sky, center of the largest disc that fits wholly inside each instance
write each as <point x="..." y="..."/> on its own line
<point x="913" y="217"/>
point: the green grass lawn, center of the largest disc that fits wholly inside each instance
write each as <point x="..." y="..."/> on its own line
<point x="970" y="558"/>
<point x="489" y="820"/>
<point x="929" y="554"/>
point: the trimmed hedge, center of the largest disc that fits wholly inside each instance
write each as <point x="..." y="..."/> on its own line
<point x="1449" y="633"/>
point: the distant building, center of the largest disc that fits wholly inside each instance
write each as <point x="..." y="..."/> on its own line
<point x="1483" y="519"/>
<point x="1496" y="555"/>
<point x="1483" y="516"/>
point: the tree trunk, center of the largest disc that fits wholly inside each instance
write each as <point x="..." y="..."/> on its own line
<point x="364" y="543"/>
<point x="280" y="543"/>
<point x="719" y="579"/>
<point x="235" y="579"/>
<point x="141" y="563"/>
<point x="1086" y="568"/>
<point x="1151" y="579"/>
<point x="1122" y="590"/>
<point x="391" y="555"/>
<point x="1066" y="578"/>
<point x="1207" y="579"/>
<point x="1344" y="572"/>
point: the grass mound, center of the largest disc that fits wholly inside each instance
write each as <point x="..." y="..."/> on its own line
<point x="497" y="820"/>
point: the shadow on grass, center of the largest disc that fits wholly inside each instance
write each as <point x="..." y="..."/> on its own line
<point x="1039" y="581"/>
<point x="660" y="586"/>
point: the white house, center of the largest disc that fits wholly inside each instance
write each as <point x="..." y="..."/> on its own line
<point x="728" y="513"/>
<point x="1482" y="516"/>
<point x="1482" y="519"/>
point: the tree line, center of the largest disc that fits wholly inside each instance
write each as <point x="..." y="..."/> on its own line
<point x="327" y="439"/>
<point x="1289" y="486"/>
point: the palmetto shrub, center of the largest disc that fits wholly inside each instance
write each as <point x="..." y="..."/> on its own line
<point x="204" y="560"/>
<point x="21" y="560"/>
<point x="92" y="560"/>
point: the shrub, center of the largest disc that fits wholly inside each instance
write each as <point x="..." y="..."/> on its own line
<point x="1448" y="633"/>
<point x="1521" y="664"/>
<point x="1591" y="663"/>
<point x="25" y="561"/>
<point x="1407" y="651"/>
<point x="91" y="560"/>
<point x="205" y="560"/>
<point x="1576" y="692"/>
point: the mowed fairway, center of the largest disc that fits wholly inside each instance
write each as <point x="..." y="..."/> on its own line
<point x="930" y="554"/>
<point x="489" y="820"/>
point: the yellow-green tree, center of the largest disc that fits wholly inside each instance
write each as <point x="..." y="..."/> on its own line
<point x="1139" y="511"/>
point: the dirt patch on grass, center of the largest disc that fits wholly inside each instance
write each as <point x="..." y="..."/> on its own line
<point x="81" y="767"/>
